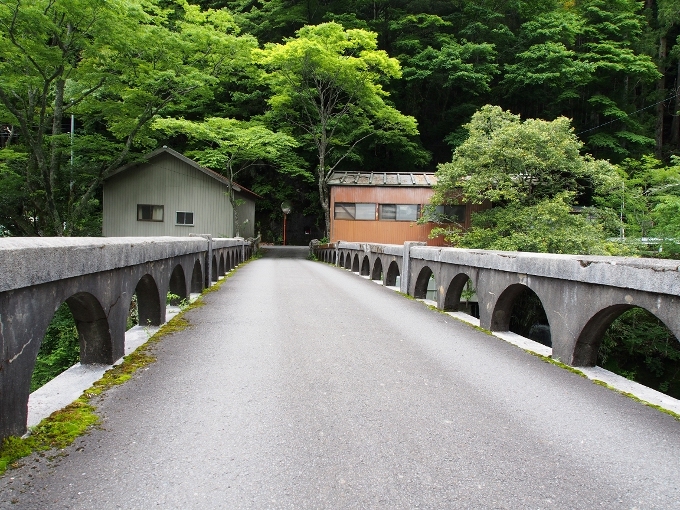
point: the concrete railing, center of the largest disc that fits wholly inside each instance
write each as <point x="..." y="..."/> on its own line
<point x="97" y="278"/>
<point x="581" y="295"/>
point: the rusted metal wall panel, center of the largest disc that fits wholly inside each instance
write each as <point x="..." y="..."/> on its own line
<point x="385" y="232"/>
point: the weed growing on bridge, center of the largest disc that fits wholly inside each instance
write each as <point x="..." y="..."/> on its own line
<point x="637" y="399"/>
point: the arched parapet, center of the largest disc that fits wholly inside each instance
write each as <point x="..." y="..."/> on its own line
<point x="392" y="274"/>
<point x="178" y="285"/>
<point x="29" y="311"/>
<point x="150" y="302"/>
<point x="213" y="269"/>
<point x="421" y="272"/>
<point x="341" y="259"/>
<point x="499" y="291"/>
<point x="365" y="266"/>
<point x="588" y="324"/>
<point x="377" y="269"/>
<point x="453" y="282"/>
<point x="348" y="260"/>
<point x="222" y="267"/>
<point x="93" y="327"/>
<point x="196" y="285"/>
<point x="355" y="263"/>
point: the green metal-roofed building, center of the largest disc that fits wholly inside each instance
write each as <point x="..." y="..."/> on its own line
<point x="168" y="194"/>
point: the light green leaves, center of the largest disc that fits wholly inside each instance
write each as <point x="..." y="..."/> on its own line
<point x="506" y="160"/>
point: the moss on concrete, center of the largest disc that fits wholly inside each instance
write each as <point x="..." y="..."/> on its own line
<point x="62" y="427"/>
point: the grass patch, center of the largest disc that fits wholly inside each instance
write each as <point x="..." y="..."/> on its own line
<point x="637" y="399"/>
<point x="62" y="427"/>
<point x="557" y="363"/>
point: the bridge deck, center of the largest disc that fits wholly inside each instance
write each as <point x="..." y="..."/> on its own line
<point x="300" y="385"/>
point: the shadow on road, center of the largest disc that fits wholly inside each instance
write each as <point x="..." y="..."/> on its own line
<point x="285" y="252"/>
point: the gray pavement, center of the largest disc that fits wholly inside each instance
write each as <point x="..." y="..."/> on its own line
<point x="301" y="385"/>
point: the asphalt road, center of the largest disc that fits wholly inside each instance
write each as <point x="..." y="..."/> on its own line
<point x="300" y="385"/>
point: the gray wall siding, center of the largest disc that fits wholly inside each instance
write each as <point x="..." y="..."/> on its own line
<point x="246" y="211"/>
<point x="172" y="183"/>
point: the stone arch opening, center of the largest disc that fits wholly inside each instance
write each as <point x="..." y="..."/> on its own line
<point x="197" y="278"/>
<point x="377" y="273"/>
<point x="59" y="349"/>
<point x="392" y="278"/>
<point x="461" y="296"/>
<point x="147" y="301"/>
<point x="178" y="285"/>
<point x="426" y="286"/>
<point x="633" y="342"/>
<point x="341" y="261"/>
<point x="348" y="261"/>
<point x="213" y="269"/>
<point x="78" y="330"/>
<point x="365" y="266"/>
<point x="520" y="310"/>
<point x="355" y="263"/>
<point x="222" y="269"/>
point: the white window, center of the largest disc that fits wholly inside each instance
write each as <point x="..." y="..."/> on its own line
<point x="399" y="212"/>
<point x="365" y="212"/>
<point x="184" y="218"/>
<point x="347" y="211"/>
<point x="146" y="212"/>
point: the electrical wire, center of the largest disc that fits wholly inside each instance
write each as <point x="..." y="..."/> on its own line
<point x="629" y="114"/>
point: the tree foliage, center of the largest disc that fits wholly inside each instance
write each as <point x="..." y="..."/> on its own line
<point x="115" y="65"/>
<point x="508" y="161"/>
<point x="327" y="85"/>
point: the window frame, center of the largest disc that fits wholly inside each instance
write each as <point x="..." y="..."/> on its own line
<point x="177" y="223"/>
<point x="381" y="215"/>
<point x="350" y="209"/>
<point x="152" y="206"/>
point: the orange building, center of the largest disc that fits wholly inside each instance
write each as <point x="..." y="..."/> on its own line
<point x="384" y="207"/>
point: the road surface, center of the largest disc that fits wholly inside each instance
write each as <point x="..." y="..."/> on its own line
<point x="300" y="385"/>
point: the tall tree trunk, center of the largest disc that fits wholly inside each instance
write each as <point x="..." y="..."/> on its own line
<point x="660" y="108"/>
<point x="51" y="169"/>
<point x="675" y="126"/>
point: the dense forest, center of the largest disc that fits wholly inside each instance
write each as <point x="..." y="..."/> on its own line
<point x="544" y="108"/>
<point x="203" y="78"/>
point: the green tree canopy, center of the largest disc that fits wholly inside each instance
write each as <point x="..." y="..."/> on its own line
<point x="506" y="160"/>
<point x="327" y="86"/>
<point x="115" y="64"/>
<point x="230" y="146"/>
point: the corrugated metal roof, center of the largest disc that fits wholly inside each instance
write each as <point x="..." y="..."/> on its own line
<point x="406" y="179"/>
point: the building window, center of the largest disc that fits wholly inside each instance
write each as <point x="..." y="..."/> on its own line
<point x="147" y="212"/>
<point x="449" y="214"/>
<point x="347" y="211"/>
<point x="184" y="218"/>
<point x="399" y="212"/>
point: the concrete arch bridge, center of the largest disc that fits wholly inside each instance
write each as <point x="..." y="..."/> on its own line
<point x="581" y="295"/>
<point x="97" y="278"/>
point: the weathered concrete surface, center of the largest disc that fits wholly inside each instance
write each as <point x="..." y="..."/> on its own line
<point x="347" y="395"/>
<point x="581" y="295"/>
<point x="30" y="261"/>
<point x="70" y="384"/>
<point x="97" y="278"/>
<point x="653" y="275"/>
